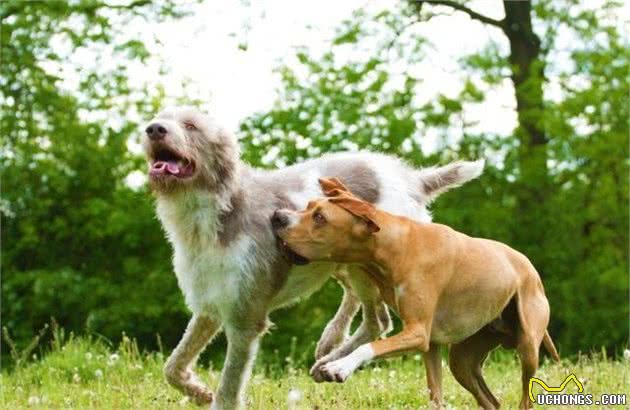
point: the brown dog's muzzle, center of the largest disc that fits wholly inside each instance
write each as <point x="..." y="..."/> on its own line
<point x="280" y="221"/>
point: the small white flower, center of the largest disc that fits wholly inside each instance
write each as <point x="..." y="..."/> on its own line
<point x="417" y="358"/>
<point x="33" y="401"/>
<point x="88" y="356"/>
<point x="184" y="401"/>
<point x="76" y="378"/>
<point x="293" y="398"/>
<point x="392" y="373"/>
<point x="113" y="358"/>
<point x="626" y="354"/>
<point x="98" y="373"/>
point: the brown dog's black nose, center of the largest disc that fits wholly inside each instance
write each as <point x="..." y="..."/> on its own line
<point x="279" y="220"/>
<point x="156" y="131"/>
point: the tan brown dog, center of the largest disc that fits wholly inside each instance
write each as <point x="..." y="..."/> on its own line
<point x="448" y="288"/>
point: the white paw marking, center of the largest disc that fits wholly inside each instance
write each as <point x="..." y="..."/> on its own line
<point x="339" y="370"/>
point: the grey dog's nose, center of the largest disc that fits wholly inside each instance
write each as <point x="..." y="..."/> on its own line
<point x="279" y="220"/>
<point x="156" y="131"/>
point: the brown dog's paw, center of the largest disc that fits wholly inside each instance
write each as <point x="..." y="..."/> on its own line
<point x="335" y="372"/>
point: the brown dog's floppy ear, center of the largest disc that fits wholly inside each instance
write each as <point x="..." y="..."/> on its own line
<point x="333" y="187"/>
<point x="357" y="207"/>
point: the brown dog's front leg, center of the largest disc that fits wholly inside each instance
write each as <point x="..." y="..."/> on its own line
<point x="413" y="337"/>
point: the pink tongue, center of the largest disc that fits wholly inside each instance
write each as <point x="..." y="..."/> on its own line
<point x="170" y="167"/>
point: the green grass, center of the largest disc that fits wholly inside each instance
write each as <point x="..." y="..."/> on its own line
<point x="86" y="374"/>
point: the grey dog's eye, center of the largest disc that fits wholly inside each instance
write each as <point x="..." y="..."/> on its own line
<point x="189" y="126"/>
<point x="319" y="218"/>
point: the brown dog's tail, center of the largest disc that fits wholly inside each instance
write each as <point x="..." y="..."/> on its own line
<point x="551" y="348"/>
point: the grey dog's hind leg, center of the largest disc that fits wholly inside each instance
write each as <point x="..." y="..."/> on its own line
<point x="372" y="327"/>
<point x="376" y="319"/>
<point x="337" y="330"/>
<point x="178" y="370"/>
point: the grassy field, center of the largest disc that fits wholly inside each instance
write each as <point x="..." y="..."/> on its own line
<point x="85" y="374"/>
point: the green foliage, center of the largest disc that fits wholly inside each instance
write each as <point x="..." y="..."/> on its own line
<point x="78" y="243"/>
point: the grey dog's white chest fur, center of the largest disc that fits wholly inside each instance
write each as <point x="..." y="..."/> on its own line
<point x="211" y="276"/>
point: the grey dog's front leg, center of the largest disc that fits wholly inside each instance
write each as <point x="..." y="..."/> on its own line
<point x="241" y="353"/>
<point x="337" y="329"/>
<point x="178" y="370"/>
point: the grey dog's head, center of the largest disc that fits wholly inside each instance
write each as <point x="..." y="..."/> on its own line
<point x="186" y="149"/>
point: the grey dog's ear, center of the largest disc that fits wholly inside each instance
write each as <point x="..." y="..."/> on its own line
<point x="437" y="180"/>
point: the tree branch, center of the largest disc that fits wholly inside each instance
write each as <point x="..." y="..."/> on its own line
<point x="471" y="13"/>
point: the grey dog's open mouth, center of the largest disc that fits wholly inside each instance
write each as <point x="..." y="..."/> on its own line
<point x="166" y="162"/>
<point x="289" y="254"/>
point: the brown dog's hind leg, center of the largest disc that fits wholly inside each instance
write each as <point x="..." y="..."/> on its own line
<point x="533" y="310"/>
<point x="528" y="353"/>
<point x="466" y="360"/>
<point x="533" y="318"/>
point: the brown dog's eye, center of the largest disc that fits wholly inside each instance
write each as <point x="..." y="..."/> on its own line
<point x="319" y="218"/>
<point x="190" y="126"/>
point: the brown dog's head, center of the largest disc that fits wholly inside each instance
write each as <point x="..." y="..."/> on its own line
<point x="335" y="228"/>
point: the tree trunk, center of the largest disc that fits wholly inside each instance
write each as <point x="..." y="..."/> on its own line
<point x="532" y="188"/>
<point x="528" y="77"/>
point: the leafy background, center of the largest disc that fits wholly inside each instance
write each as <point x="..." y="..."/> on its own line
<point x="81" y="246"/>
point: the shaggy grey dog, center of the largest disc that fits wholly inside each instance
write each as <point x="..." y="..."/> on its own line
<point x="232" y="269"/>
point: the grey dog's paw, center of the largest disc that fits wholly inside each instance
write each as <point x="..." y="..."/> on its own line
<point x="316" y="372"/>
<point x="202" y="397"/>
